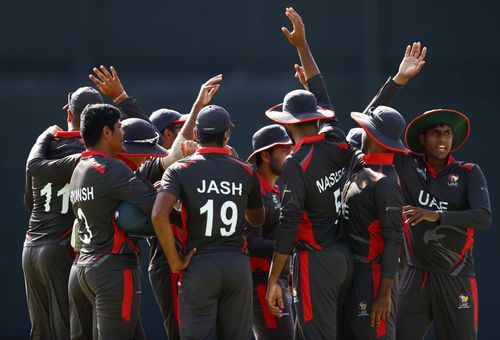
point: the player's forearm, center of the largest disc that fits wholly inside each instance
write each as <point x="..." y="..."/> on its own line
<point x="279" y="261"/>
<point x="307" y="60"/>
<point x="163" y="230"/>
<point x="390" y="256"/>
<point x="385" y="95"/>
<point x="384" y="290"/>
<point x="478" y="218"/>
<point x="131" y="109"/>
<point x="174" y="154"/>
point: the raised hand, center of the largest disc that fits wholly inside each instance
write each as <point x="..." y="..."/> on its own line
<point x="52" y="130"/>
<point x="189" y="147"/>
<point x="412" y="63"/>
<point x="108" y="83"/>
<point x="208" y="91"/>
<point x="300" y="75"/>
<point x="298" y="35"/>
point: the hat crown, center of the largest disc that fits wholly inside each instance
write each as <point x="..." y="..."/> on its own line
<point x="162" y="118"/>
<point x="84" y="96"/>
<point x="300" y="101"/>
<point x="213" y="119"/>
<point x="269" y="135"/>
<point x="137" y="129"/>
<point x="388" y="121"/>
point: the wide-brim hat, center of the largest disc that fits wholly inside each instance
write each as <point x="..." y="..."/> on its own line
<point x="141" y="139"/>
<point x="384" y="125"/>
<point x="267" y="138"/>
<point x="457" y="121"/>
<point x="299" y="106"/>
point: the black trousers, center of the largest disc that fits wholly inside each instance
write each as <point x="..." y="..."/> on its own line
<point x="450" y="302"/>
<point x="322" y="278"/>
<point x="265" y="325"/>
<point x="357" y="306"/>
<point x="115" y="296"/>
<point x="46" y="271"/>
<point x="216" y="297"/>
<point x="165" y="289"/>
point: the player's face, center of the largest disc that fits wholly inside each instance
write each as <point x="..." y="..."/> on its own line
<point x="278" y="155"/>
<point x="437" y="141"/>
<point x="116" y="140"/>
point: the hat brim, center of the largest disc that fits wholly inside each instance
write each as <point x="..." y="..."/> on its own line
<point x="366" y="123"/>
<point x="458" y="122"/>
<point x="182" y="119"/>
<point x="251" y="158"/>
<point x="277" y="114"/>
<point x="144" y="149"/>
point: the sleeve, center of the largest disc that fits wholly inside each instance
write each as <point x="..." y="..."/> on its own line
<point x="28" y="193"/>
<point x="151" y="170"/>
<point x="255" y="196"/>
<point x="389" y="207"/>
<point x="55" y="169"/>
<point x="171" y="182"/>
<point x="385" y="95"/>
<point x="258" y="246"/>
<point x="124" y="185"/>
<point x="174" y="153"/>
<point x="292" y="204"/>
<point x="478" y="216"/>
<point x="131" y="109"/>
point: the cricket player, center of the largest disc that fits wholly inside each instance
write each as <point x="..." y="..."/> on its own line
<point x="217" y="191"/>
<point x="271" y="145"/>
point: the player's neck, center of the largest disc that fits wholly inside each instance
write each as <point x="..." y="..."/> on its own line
<point x="301" y="131"/>
<point x="268" y="175"/>
<point x="105" y="149"/>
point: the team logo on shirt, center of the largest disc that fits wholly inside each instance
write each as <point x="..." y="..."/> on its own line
<point x="363" y="309"/>
<point x="463" y="301"/>
<point x="453" y="180"/>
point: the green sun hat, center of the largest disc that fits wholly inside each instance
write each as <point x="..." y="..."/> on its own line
<point x="458" y="122"/>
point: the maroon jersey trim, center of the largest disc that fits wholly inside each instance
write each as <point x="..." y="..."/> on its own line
<point x="305" y="287"/>
<point x="128" y="292"/>
<point x="308" y="140"/>
<point x="68" y="134"/>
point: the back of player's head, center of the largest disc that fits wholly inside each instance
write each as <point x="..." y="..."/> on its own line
<point x="79" y="99"/>
<point x="212" y="124"/>
<point x="93" y="120"/>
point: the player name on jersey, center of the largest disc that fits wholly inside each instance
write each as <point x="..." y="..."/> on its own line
<point x="330" y="180"/>
<point x="221" y="188"/>
<point x="81" y="194"/>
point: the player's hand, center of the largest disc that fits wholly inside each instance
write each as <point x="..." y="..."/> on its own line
<point x="300" y="75"/>
<point x="184" y="262"/>
<point x="108" y="83"/>
<point x="298" y="35"/>
<point x="157" y="185"/>
<point x="189" y="147"/>
<point x="380" y="310"/>
<point x="52" y="130"/>
<point x="274" y="298"/>
<point x="412" y="63"/>
<point x="208" y="91"/>
<point x="416" y="215"/>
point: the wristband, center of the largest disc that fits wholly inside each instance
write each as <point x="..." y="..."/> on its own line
<point x="120" y="97"/>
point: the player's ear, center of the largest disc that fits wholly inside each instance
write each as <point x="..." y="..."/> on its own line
<point x="265" y="156"/>
<point x="195" y="134"/>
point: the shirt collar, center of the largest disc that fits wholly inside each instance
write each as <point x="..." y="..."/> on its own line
<point x="208" y="150"/>
<point x="68" y="134"/>
<point x="433" y="171"/>
<point x="308" y="140"/>
<point x="385" y="158"/>
<point x="127" y="161"/>
<point x="90" y="153"/>
<point x="266" y="186"/>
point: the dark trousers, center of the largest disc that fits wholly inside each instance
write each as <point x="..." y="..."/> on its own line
<point x="451" y="302"/>
<point x="265" y="325"/>
<point x="358" y="303"/>
<point x="115" y="296"/>
<point x="216" y="297"/>
<point x="46" y="272"/>
<point x="165" y="289"/>
<point x="82" y="318"/>
<point x="321" y="281"/>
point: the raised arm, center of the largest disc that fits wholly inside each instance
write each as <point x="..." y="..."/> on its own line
<point x="110" y="85"/>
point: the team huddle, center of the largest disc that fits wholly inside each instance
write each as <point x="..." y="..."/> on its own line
<point x="367" y="237"/>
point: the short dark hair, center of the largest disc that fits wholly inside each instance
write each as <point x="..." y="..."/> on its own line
<point x="93" y="120"/>
<point x="211" y="138"/>
<point x="430" y="127"/>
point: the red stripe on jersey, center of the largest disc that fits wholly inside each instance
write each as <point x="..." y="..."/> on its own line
<point x="184" y="218"/>
<point x="245" y="166"/>
<point x="119" y="239"/>
<point x="128" y="292"/>
<point x="305" y="162"/>
<point x="207" y="150"/>
<point x="376" y="242"/>
<point x="406" y="229"/>
<point x="259" y="263"/>
<point x="381" y="329"/>
<point x="66" y="233"/>
<point x="305" y="287"/>
<point x="308" y="140"/>
<point x="305" y="231"/>
<point x="467" y="246"/>
<point x="467" y="166"/>
<point x="475" y="298"/>
<point x="99" y="167"/>
<point x="185" y="165"/>
<point x="68" y="134"/>
<point x="269" y="319"/>
<point x="424" y="281"/>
